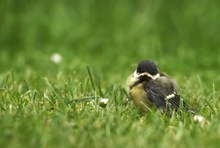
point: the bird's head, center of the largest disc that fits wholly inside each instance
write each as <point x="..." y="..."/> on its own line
<point x="146" y="70"/>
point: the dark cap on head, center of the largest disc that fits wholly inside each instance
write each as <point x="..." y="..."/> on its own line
<point x="147" y="66"/>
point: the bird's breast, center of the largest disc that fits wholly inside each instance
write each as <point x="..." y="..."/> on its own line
<point x="138" y="95"/>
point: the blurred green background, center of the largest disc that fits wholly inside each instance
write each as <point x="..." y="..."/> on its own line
<point x="111" y="36"/>
<point x="37" y="96"/>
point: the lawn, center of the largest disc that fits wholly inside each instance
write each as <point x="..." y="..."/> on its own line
<point x="49" y="104"/>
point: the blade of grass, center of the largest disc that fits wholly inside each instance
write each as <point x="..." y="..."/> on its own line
<point x="91" y="78"/>
<point x="99" y="85"/>
<point x="210" y="106"/>
<point x="51" y="87"/>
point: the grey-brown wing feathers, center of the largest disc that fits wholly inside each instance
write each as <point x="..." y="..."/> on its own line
<point x="158" y="96"/>
<point x="165" y="96"/>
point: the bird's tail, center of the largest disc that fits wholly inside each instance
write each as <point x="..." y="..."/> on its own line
<point x="188" y="109"/>
<point x="196" y="117"/>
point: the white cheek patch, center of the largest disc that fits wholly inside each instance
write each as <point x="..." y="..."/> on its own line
<point x="156" y="76"/>
<point x="136" y="75"/>
<point x="133" y="79"/>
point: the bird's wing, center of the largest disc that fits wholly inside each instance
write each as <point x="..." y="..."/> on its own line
<point x="162" y="97"/>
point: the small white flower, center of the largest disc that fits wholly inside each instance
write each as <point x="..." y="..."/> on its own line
<point x="103" y="102"/>
<point x="56" y="58"/>
<point x="199" y="118"/>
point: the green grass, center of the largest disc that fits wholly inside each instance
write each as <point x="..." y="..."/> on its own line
<point x="43" y="104"/>
<point x="62" y="112"/>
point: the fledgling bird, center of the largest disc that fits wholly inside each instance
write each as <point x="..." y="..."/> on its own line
<point x="149" y="87"/>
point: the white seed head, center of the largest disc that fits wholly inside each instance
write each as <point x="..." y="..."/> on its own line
<point x="103" y="102"/>
<point x="56" y="58"/>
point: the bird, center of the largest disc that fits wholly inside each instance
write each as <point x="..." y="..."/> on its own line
<point x="148" y="87"/>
